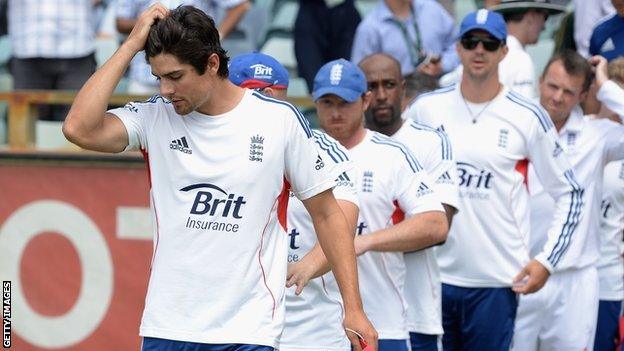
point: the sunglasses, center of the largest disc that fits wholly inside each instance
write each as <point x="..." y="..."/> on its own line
<point x="489" y="44"/>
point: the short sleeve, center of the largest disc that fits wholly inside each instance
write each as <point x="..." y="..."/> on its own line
<point x="414" y="190"/>
<point x="306" y="169"/>
<point x="133" y="116"/>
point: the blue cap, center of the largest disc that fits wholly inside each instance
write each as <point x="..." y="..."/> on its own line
<point x="256" y="70"/>
<point x="339" y="77"/>
<point x="489" y="21"/>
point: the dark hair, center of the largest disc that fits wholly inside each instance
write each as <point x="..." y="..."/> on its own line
<point x="515" y="16"/>
<point x="419" y="83"/>
<point x="574" y="65"/>
<point x="191" y="36"/>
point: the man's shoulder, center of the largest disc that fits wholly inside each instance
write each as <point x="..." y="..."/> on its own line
<point x="152" y="106"/>
<point x="387" y="150"/>
<point x="523" y="110"/>
<point x="435" y="96"/>
<point x="277" y="112"/>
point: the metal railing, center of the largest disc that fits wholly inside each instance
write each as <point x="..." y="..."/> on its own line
<point x="22" y="112"/>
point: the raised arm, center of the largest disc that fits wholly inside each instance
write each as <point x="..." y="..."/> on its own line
<point x="87" y="124"/>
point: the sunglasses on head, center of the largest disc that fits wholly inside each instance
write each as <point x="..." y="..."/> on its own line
<point x="489" y="44"/>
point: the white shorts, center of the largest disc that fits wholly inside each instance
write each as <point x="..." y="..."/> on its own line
<point x="561" y="316"/>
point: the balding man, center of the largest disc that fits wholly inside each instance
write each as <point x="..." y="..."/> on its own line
<point x="433" y="149"/>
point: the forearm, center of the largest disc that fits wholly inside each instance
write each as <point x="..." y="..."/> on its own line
<point x="612" y="96"/>
<point x="415" y="233"/>
<point x="232" y="17"/>
<point x="336" y="241"/>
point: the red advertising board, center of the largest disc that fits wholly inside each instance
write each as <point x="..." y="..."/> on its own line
<point x="75" y="245"/>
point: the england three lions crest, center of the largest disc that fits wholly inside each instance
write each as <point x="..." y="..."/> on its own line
<point x="256" y="148"/>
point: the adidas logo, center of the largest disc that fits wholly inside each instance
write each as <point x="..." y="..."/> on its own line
<point x="319" y="163"/>
<point x="607" y="46"/>
<point x="423" y="189"/>
<point x="445" y="178"/>
<point x="181" y="145"/>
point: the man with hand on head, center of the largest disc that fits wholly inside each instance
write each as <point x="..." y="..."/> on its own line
<point x="399" y="208"/>
<point x="218" y="190"/>
<point x="495" y="132"/>
<point x="313" y="318"/>
<point x="433" y="149"/>
<point x="543" y="322"/>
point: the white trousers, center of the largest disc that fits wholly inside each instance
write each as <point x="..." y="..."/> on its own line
<point x="561" y="316"/>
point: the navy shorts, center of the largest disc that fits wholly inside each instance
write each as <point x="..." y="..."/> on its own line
<point x="479" y="319"/>
<point x="156" y="344"/>
<point x="424" y="342"/>
<point x="607" y="332"/>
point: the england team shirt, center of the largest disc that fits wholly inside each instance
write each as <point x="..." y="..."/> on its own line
<point x="392" y="183"/>
<point x="219" y="186"/>
<point x="487" y="245"/>
<point x="589" y="144"/>
<point x="611" y="263"/>
<point x="314" y="318"/>
<point x="432" y="149"/>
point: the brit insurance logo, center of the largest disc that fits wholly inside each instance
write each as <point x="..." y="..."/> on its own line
<point x="261" y="71"/>
<point x="214" y="209"/>
<point x="474" y="183"/>
<point x="256" y="148"/>
<point x="180" y="145"/>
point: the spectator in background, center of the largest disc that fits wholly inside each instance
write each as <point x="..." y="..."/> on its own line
<point x="324" y="31"/>
<point x="525" y="21"/>
<point x="607" y="39"/>
<point x="141" y="80"/>
<point x="416" y="84"/>
<point x="420" y="34"/>
<point x="587" y="15"/>
<point x="52" y="46"/>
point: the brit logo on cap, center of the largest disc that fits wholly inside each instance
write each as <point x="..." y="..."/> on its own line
<point x="262" y="71"/>
<point x="482" y="16"/>
<point x="335" y="74"/>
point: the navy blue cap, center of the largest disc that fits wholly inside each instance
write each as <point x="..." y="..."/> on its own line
<point x="489" y="21"/>
<point x="340" y="77"/>
<point x="257" y="70"/>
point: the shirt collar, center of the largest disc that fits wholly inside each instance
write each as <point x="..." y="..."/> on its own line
<point x="574" y="122"/>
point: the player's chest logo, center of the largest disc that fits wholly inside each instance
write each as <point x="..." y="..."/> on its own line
<point x="181" y="145"/>
<point x="367" y="182"/>
<point x="503" y="138"/>
<point x="256" y="148"/>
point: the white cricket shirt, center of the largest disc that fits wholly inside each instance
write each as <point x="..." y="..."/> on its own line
<point x="589" y="144"/>
<point x="314" y="318"/>
<point x="219" y="189"/>
<point x="611" y="263"/>
<point x="487" y="245"/>
<point x="422" y="284"/>
<point x="392" y="183"/>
